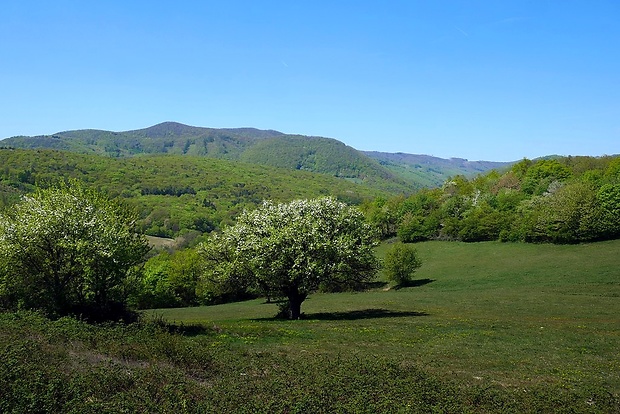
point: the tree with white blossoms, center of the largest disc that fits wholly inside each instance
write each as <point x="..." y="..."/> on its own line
<point x="68" y="250"/>
<point x="288" y="250"/>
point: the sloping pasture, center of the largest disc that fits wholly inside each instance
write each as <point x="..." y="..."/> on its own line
<point x="495" y="314"/>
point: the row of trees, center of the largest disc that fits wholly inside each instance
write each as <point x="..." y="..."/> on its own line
<point x="566" y="200"/>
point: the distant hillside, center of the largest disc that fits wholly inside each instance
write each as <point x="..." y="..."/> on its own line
<point x="173" y="194"/>
<point x="164" y="138"/>
<point x="432" y="171"/>
<point x="402" y="173"/>
<point x="327" y="156"/>
<point x="263" y="147"/>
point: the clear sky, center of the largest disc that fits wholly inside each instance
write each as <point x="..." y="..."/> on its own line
<point x="484" y="80"/>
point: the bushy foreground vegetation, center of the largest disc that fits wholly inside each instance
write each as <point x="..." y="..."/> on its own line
<point x="565" y="200"/>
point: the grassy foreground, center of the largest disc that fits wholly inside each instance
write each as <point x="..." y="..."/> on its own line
<point x="486" y="327"/>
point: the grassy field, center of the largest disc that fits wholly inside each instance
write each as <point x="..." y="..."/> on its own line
<point x="513" y="315"/>
<point x="485" y="328"/>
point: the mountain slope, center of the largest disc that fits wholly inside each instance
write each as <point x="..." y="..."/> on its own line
<point x="166" y="138"/>
<point x="327" y="156"/>
<point x="263" y="147"/>
<point x="431" y="171"/>
<point x="396" y="173"/>
<point x="173" y="193"/>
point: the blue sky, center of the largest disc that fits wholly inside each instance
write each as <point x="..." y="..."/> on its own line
<point x="482" y="80"/>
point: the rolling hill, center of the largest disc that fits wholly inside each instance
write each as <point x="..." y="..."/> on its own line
<point x="173" y="193"/>
<point x="400" y="173"/>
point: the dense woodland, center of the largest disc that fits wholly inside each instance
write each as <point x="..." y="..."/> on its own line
<point x="391" y="172"/>
<point x="262" y="147"/>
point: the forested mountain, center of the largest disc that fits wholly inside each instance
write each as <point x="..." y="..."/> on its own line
<point x="174" y="194"/>
<point x="392" y="172"/>
<point x="327" y="156"/>
<point x="164" y="138"/>
<point x="432" y="171"/>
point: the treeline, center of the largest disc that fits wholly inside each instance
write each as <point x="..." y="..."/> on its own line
<point x="561" y="200"/>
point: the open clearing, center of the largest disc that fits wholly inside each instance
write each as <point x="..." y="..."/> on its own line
<point x="508" y="315"/>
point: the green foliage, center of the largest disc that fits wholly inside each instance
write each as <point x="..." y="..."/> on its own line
<point x="327" y="156"/>
<point x="167" y="137"/>
<point x="68" y="250"/>
<point x="291" y="249"/>
<point x="570" y="215"/>
<point x="267" y="148"/>
<point x="542" y="174"/>
<point x="382" y="214"/>
<point x="400" y="263"/>
<point x="510" y="328"/>
<point x="557" y="200"/>
<point x="171" y="280"/>
<point x="608" y="198"/>
<point x="175" y="195"/>
<point x="420" y="216"/>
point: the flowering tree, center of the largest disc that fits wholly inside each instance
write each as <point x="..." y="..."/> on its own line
<point x="68" y="250"/>
<point x="289" y="250"/>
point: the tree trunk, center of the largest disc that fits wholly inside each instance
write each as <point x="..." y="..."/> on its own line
<point x="294" y="300"/>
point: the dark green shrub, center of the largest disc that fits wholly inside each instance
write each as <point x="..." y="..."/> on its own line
<point x="401" y="262"/>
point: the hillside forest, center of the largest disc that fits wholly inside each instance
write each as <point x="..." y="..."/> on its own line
<point x="557" y="200"/>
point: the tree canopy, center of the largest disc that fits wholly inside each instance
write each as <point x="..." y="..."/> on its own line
<point x="563" y="200"/>
<point x="291" y="249"/>
<point x="68" y="250"/>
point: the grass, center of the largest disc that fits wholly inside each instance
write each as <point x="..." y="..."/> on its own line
<point x="517" y="315"/>
<point x="490" y="327"/>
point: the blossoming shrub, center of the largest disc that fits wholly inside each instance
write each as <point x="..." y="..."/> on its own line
<point x="68" y="250"/>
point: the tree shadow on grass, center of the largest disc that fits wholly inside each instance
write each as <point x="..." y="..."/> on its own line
<point x="375" y="285"/>
<point x="413" y="283"/>
<point x="375" y="313"/>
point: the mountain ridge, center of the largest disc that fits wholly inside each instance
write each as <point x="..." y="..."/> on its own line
<point x="399" y="172"/>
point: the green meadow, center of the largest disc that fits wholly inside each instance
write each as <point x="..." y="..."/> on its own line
<point x="484" y="327"/>
<point x="509" y="316"/>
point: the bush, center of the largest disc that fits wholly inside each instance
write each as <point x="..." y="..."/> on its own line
<point x="401" y="262"/>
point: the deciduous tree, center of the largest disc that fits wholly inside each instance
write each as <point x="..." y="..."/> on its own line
<point x="68" y="250"/>
<point x="288" y="250"/>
